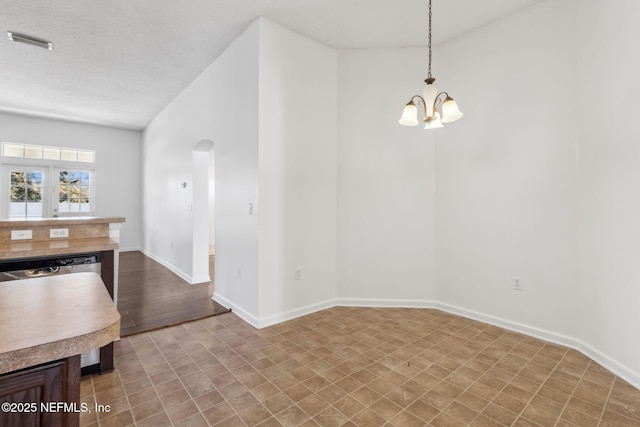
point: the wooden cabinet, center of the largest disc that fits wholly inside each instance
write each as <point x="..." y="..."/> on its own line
<point x="25" y="392"/>
<point x="108" y="275"/>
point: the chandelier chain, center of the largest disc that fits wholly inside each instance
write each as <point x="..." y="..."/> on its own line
<point x="429" y="70"/>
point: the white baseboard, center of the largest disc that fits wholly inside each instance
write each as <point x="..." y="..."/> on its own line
<point x="624" y="372"/>
<point x="532" y="331"/>
<point x="267" y="321"/>
<point x="629" y="375"/>
<point x="391" y="303"/>
<point x="201" y="279"/>
<point x="236" y="309"/>
<point x="274" y="319"/>
<point x="177" y="271"/>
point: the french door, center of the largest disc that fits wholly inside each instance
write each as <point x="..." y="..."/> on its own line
<point x="46" y="191"/>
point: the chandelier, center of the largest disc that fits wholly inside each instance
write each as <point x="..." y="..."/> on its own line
<point x="438" y="107"/>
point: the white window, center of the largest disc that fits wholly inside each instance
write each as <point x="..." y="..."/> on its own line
<point x="46" y="181"/>
<point x="27" y="151"/>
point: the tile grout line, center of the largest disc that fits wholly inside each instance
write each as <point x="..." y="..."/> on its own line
<point x="564" y="408"/>
<point x="542" y="384"/>
<point x="606" y="402"/>
<point x="467" y="389"/>
<point x="236" y="378"/>
<point x="215" y="387"/>
<point x="492" y="366"/>
<point x="363" y="347"/>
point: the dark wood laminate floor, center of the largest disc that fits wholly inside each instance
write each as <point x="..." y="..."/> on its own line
<point x="151" y="296"/>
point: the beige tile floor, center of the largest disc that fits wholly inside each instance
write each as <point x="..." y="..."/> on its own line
<point x="354" y="367"/>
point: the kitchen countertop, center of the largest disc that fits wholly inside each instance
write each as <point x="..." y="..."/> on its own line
<point x="83" y="234"/>
<point x="55" y="317"/>
<point x="39" y="248"/>
<point x="58" y="221"/>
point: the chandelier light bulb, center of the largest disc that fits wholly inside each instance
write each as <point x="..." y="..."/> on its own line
<point x="450" y="111"/>
<point x="409" y="115"/>
<point x="434" y="122"/>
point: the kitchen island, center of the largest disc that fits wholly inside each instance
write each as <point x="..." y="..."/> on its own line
<point x="45" y="324"/>
<point x="32" y="239"/>
<point x="20" y="238"/>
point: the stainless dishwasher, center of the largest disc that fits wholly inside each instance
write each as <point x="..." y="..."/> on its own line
<point x="28" y="268"/>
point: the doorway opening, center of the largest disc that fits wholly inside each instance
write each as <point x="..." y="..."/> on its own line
<point x="204" y="213"/>
<point x="151" y="295"/>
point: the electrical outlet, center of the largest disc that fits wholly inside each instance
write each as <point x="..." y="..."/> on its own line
<point x="21" y="234"/>
<point x="517" y="283"/>
<point x="297" y="274"/>
<point x="239" y="273"/>
<point x="58" y="232"/>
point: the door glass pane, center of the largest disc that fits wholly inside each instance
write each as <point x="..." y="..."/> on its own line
<point x="25" y="198"/>
<point x="63" y="191"/>
<point x="74" y="191"/>
<point x="34" y="178"/>
<point x="18" y="185"/>
<point x="83" y="198"/>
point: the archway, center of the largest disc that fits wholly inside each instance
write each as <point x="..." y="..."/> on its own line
<point x="203" y="230"/>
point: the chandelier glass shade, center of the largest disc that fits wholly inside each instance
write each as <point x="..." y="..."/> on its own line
<point x="437" y="107"/>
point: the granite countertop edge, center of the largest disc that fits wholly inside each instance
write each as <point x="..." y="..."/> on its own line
<point x="51" y="351"/>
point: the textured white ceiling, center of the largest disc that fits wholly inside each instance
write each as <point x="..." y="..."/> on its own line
<point x="119" y="62"/>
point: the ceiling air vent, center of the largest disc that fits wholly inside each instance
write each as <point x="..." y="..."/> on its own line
<point x="21" y="38"/>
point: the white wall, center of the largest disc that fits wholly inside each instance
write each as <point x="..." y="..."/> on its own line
<point x="385" y="182"/>
<point x="609" y="281"/>
<point x="506" y="185"/>
<point x="295" y="176"/>
<point x="118" y="159"/>
<point x="529" y="183"/>
<point x="539" y="179"/>
<point x="220" y="106"/>
<point x="298" y="173"/>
